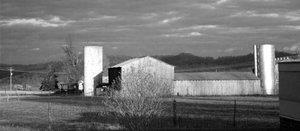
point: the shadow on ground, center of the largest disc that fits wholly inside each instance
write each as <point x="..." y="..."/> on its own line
<point x="68" y="100"/>
<point x="181" y="123"/>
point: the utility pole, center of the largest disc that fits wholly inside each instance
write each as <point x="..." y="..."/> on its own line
<point x="255" y="47"/>
<point x="10" y="78"/>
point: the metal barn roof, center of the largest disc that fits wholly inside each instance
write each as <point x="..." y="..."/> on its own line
<point x="126" y="62"/>
<point x="135" y="59"/>
<point x="216" y="76"/>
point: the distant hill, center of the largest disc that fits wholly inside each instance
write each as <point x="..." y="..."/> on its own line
<point x="187" y="62"/>
<point x="182" y="62"/>
<point x="4" y="73"/>
<point x="34" y="67"/>
<point x="29" y="69"/>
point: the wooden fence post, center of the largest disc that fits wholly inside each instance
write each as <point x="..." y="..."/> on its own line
<point x="234" y="112"/>
<point x="49" y="112"/>
<point x="174" y="113"/>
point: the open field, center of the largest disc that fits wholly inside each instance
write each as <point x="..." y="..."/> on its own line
<point x="85" y="113"/>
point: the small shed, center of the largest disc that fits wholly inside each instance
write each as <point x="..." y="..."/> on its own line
<point x="216" y="83"/>
<point x="145" y="65"/>
<point x="289" y="94"/>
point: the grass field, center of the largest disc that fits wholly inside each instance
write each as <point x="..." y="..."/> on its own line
<point x="88" y="113"/>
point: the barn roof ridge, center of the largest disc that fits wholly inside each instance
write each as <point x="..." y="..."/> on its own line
<point x="159" y="60"/>
<point x="135" y="59"/>
<point x="126" y="62"/>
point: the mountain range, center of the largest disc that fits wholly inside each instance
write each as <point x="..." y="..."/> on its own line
<point x="183" y="62"/>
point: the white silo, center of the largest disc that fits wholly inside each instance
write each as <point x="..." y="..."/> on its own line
<point x="266" y="65"/>
<point x="93" y="67"/>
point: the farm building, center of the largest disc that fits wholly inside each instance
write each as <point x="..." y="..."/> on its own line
<point x="140" y="67"/>
<point x="217" y="83"/>
<point x="289" y="98"/>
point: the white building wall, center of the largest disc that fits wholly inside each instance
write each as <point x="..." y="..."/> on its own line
<point x="217" y="87"/>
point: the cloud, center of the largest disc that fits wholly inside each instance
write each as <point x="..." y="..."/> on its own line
<point x="295" y="47"/>
<point x="221" y="2"/>
<point x="254" y="14"/>
<point x="149" y="16"/>
<point x="291" y="16"/>
<point x="169" y="20"/>
<point x="171" y="13"/>
<point x="104" y="17"/>
<point x="114" y="48"/>
<point x="290" y="27"/>
<point x="195" y="34"/>
<point x="208" y="6"/>
<point x="55" y="21"/>
<point x="205" y="6"/>
<point x="198" y="27"/>
<point x="230" y="50"/>
<point x="213" y="24"/>
<point x="35" y="49"/>
<point x="182" y="35"/>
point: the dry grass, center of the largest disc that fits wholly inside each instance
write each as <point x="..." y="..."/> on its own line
<point x="85" y="113"/>
<point x="6" y="128"/>
<point x="65" y="113"/>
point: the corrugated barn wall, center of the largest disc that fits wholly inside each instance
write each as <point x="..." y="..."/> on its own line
<point x="217" y="83"/>
<point x="148" y="65"/>
<point x="217" y="87"/>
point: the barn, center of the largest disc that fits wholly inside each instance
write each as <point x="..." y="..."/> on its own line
<point x="159" y="70"/>
<point x="289" y="93"/>
<point x="216" y="83"/>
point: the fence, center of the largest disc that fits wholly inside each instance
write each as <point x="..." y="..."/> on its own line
<point x="226" y="112"/>
<point x="83" y="113"/>
<point x="217" y="87"/>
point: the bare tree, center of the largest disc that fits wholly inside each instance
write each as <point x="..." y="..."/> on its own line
<point x="73" y="61"/>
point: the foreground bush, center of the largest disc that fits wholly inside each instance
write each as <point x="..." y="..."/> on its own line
<point x="138" y="102"/>
<point x="49" y="82"/>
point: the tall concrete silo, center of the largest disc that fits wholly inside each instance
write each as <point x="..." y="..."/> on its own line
<point x="266" y="65"/>
<point x="93" y="67"/>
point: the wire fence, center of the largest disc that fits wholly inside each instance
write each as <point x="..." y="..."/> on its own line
<point x="78" y="112"/>
<point x="227" y="112"/>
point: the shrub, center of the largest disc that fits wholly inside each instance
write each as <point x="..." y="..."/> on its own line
<point x="138" y="102"/>
<point x="49" y="81"/>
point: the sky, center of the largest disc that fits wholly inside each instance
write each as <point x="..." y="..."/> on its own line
<point x="34" y="31"/>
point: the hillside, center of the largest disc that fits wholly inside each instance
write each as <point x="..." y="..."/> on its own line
<point x="5" y="73"/>
<point x="187" y="62"/>
<point x="183" y="62"/>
